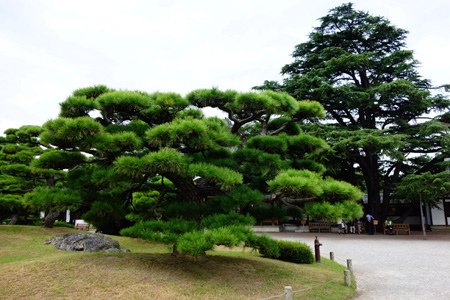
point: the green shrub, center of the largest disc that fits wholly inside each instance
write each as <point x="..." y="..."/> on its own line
<point x="159" y="231"/>
<point x="35" y="221"/>
<point x="266" y="246"/>
<point x="194" y="243"/>
<point x="221" y="220"/>
<point x="233" y="235"/>
<point x="295" y="252"/>
<point x="62" y="224"/>
<point x="223" y="236"/>
<point x="242" y="232"/>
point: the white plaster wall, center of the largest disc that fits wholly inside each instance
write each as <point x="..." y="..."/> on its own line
<point x="438" y="215"/>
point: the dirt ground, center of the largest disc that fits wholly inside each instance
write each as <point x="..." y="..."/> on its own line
<point x="390" y="267"/>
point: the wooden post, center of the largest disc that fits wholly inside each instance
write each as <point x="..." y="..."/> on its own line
<point x="347" y="278"/>
<point x="317" y="245"/>
<point x="349" y="265"/>
<point x="288" y="295"/>
<point x="332" y="256"/>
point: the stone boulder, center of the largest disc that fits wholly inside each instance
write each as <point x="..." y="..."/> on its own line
<point x="89" y="242"/>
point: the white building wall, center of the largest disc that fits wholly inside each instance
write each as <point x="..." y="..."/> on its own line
<point x="438" y="214"/>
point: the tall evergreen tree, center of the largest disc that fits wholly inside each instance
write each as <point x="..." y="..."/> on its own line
<point x="357" y="67"/>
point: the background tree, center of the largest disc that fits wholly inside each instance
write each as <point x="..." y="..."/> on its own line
<point x="17" y="176"/>
<point x="424" y="188"/>
<point x="356" y="66"/>
<point x="53" y="201"/>
<point x="55" y="198"/>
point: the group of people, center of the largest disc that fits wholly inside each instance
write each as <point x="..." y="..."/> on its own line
<point x="371" y="225"/>
<point x="354" y="226"/>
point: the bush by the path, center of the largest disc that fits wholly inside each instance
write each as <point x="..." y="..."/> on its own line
<point x="266" y="246"/>
<point x="283" y="250"/>
<point x="295" y="252"/>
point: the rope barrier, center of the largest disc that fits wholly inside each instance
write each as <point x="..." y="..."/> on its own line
<point x="339" y="260"/>
<point x="296" y="291"/>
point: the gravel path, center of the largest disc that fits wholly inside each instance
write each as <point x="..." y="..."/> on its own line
<point x="390" y="267"/>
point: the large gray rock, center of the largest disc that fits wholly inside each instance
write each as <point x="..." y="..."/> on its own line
<point x="89" y="242"/>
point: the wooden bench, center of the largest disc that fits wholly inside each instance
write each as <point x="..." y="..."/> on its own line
<point x="81" y="225"/>
<point x="272" y="222"/>
<point x="401" y="228"/>
<point x="319" y="227"/>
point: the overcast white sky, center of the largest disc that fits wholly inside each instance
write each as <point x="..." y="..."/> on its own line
<point x="50" y="48"/>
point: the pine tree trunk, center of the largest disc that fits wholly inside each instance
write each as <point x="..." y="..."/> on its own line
<point x="374" y="200"/>
<point x="369" y="167"/>
<point x="50" y="219"/>
<point x="186" y="188"/>
<point x="175" y="250"/>
<point x="389" y="185"/>
<point x="385" y="206"/>
<point x="14" y="219"/>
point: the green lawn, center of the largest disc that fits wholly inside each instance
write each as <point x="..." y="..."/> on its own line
<point x="29" y="269"/>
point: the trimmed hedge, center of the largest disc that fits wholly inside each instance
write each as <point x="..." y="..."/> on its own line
<point x="295" y="252"/>
<point x="266" y="246"/>
<point x="62" y="224"/>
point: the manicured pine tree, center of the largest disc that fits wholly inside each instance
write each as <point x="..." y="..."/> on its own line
<point x="181" y="177"/>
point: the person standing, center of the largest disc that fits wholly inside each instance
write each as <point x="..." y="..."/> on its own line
<point x="351" y="226"/>
<point x="370" y="228"/>
<point x="388" y="226"/>
<point x="342" y="227"/>
<point x="359" y="226"/>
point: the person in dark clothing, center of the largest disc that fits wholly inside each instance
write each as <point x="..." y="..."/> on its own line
<point x="370" y="228"/>
<point x="351" y="226"/>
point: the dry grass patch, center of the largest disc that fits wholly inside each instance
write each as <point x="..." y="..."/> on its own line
<point x="221" y="275"/>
